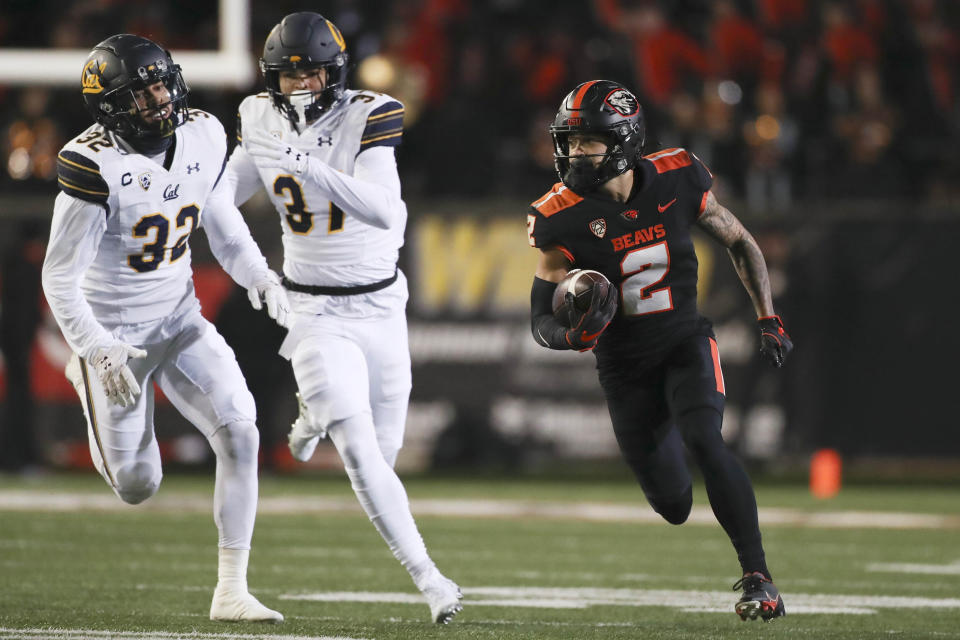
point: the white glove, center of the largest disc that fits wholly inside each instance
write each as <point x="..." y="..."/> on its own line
<point x="267" y="289"/>
<point x="268" y="152"/>
<point x="118" y="381"/>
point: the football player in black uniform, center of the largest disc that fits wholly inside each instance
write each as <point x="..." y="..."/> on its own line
<point x="628" y="216"/>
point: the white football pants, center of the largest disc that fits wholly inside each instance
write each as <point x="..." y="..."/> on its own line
<point x="354" y="376"/>
<point x="198" y="372"/>
<point x="345" y="367"/>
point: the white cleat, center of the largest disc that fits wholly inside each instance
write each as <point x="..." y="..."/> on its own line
<point x="240" y="606"/>
<point x="304" y="435"/>
<point x="443" y="595"/>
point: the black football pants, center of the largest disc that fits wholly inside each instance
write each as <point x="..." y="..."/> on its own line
<point x="679" y="402"/>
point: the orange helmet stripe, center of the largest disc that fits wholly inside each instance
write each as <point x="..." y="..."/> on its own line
<point x="577" y="99"/>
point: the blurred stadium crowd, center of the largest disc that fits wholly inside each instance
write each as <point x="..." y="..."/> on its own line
<point x="785" y="100"/>
<point x="837" y="110"/>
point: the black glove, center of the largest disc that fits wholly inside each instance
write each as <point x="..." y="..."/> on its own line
<point x="775" y="342"/>
<point x="603" y="305"/>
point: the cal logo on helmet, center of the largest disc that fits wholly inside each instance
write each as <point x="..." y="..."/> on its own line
<point x="90" y="78"/>
<point x="623" y="102"/>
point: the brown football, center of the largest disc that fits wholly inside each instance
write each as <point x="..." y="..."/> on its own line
<point x="571" y="298"/>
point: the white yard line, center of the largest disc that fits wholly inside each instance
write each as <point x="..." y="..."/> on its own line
<point x="26" y="500"/>
<point x="96" y="634"/>
<point x="687" y="600"/>
<point x="952" y="569"/>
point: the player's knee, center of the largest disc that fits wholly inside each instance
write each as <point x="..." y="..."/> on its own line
<point x="674" y="510"/>
<point x="237" y="441"/>
<point x="318" y="408"/>
<point x="356" y="442"/>
<point x="390" y="451"/>
<point x="700" y="429"/>
<point x="136" y="482"/>
<point x="332" y="378"/>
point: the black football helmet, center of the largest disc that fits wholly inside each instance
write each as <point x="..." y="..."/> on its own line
<point x="305" y="40"/>
<point x="600" y="107"/>
<point x="118" y="67"/>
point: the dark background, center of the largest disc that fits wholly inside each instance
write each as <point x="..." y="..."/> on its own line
<point x="831" y="128"/>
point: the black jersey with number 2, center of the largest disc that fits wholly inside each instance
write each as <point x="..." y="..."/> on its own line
<point x="643" y="246"/>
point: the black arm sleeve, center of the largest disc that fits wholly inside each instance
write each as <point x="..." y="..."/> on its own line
<point x="546" y="330"/>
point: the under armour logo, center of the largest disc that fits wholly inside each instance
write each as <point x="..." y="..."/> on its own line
<point x="193" y="167"/>
<point x="322" y="141"/>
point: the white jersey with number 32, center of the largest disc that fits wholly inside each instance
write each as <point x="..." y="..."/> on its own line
<point x="142" y="267"/>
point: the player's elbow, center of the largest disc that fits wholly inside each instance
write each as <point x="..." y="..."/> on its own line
<point x="535" y="332"/>
<point x="386" y="214"/>
<point x="547" y="332"/>
<point x="380" y="220"/>
<point x="52" y="281"/>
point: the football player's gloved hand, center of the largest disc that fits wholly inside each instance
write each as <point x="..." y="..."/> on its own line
<point x="270" y="153"/>
<point x="118" y="381"/>
<point x="268" y="290"/>
<point x="775" y="342"/>
<point x="603" y="306"/>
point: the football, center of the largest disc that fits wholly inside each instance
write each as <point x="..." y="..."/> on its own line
<point x="571" y="298"/>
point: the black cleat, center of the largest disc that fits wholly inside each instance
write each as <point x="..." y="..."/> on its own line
<point x="760" y="598"/>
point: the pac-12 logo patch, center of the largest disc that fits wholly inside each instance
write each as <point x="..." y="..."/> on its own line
<point x="598" y="227"/>
<point x="623" y="102"/>
<point x="144" y="179"/>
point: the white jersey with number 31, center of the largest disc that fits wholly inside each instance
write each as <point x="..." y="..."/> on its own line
<point x="316" y="232"/>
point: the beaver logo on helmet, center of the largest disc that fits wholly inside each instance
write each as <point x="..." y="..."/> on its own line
<point x="623" y="102"/>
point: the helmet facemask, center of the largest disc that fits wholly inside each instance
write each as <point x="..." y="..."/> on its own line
<point x="128" y="116"/>
<point x="580" y="172"/>
<point x="303" y="107"/>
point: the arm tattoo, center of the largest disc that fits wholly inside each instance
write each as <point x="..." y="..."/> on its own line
<point x="717" y="221"/>
<point x="721" y="225"/>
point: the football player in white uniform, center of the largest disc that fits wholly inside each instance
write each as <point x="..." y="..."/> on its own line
<point x="325" y="156"/>
<point x="117" y="277"/>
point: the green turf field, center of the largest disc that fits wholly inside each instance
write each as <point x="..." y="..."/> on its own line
<point x="536" y="559"/>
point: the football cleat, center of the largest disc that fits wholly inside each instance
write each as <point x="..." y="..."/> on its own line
<point x="760" y="598"/>
<point x="304" y="435"/>
<point x="239" y="606"/>
<point x="443" y="595"/>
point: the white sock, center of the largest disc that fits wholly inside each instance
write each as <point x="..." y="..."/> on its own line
<point x="380" y="492"/>
<point x="232" y="569"/>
